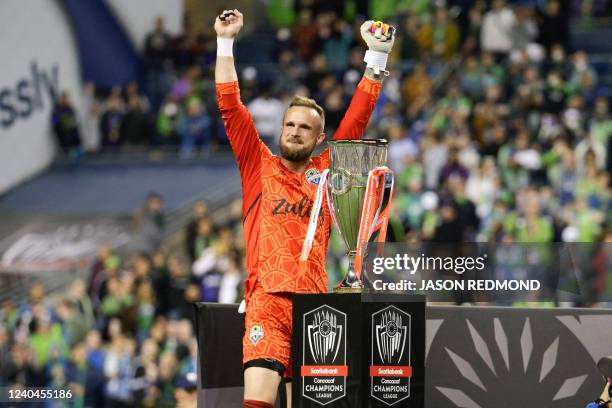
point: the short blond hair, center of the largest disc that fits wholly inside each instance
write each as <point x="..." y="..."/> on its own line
<point x="309" y="103"/>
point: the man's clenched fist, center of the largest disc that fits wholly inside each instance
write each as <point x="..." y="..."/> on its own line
<point x="378" y="35"/>
<point x="230" y="25"/>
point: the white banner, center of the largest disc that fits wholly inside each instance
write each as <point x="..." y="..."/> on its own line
<point x="39" y="60"/>
<point x="61" y="244"/>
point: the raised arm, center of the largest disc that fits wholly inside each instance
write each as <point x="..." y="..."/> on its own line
<point x="227" y="29"/>
<point x="243" y="137"/>
<point x="379" y="37"/>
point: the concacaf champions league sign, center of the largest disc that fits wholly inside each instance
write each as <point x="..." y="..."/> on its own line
<point x="324" y="366"/>
<point x="390" y="368"/>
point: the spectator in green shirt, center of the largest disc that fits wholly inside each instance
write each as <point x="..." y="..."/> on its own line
<point x="533" y="226"/>
<point x="45" y="337"/>
<point x="601" y="124"/>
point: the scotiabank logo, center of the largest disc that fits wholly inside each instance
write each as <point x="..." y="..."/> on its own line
<point x="390" y="369"/>
<point x="324" y="368"/>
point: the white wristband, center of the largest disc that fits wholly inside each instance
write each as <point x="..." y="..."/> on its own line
<point x="376" y="60"/>
<point x="225" y="47"/>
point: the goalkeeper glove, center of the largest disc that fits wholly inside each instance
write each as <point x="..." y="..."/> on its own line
<point x="379" y="37"/>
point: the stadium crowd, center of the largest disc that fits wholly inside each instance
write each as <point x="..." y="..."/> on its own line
<point x="124" y="337"/>
<point x="498" y="132"/>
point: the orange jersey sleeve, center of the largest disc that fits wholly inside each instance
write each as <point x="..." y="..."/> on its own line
<point x="249" y="150"/>
<point x="245" y="142"/>
<point x="358" y="114"/>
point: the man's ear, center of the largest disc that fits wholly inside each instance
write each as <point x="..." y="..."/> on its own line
<point x="321" y="138"/>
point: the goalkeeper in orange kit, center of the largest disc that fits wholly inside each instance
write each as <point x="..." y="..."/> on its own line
<point x="278" y="197"/>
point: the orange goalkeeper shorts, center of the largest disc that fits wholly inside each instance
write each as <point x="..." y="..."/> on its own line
<point x="268" y="323"/>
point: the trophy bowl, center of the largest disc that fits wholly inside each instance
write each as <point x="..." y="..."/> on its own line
<point x="351" y="163"/>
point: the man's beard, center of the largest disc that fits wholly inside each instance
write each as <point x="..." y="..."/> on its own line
<point x="296" y="155"/>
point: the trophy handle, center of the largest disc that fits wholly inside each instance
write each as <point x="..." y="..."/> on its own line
<point x="384" y="209"/>
<point x="330" y="203"/>
<point x="380" y="218"/>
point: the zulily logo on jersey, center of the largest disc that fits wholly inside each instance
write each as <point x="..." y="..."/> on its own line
<point x="25" y="97"/>
<point x="302" y="208"/>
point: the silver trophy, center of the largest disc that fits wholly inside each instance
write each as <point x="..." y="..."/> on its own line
<point x="351" y="164"/>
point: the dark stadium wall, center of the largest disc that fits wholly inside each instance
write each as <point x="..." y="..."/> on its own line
<point x="475" y="356"/>
<point x="202" y="13"/>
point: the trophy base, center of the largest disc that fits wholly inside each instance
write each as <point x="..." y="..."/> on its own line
<point x="347" y="289"/>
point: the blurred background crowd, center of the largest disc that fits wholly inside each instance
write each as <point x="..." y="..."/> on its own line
<point x="123" y="336"/>
<point x="499" y="131"/>
<point x="492" y="118"/>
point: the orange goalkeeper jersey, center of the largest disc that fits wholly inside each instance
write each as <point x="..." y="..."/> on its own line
<point x="277" y="202"/>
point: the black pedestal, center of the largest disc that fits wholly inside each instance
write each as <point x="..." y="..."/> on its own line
<point x="358" y="350"/>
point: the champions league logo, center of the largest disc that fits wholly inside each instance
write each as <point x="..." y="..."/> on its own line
<point x="391" y="337"/>
<point x="324" y="337"/>
<point x="390" y="368"/>
<point x="324" y="368"/>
